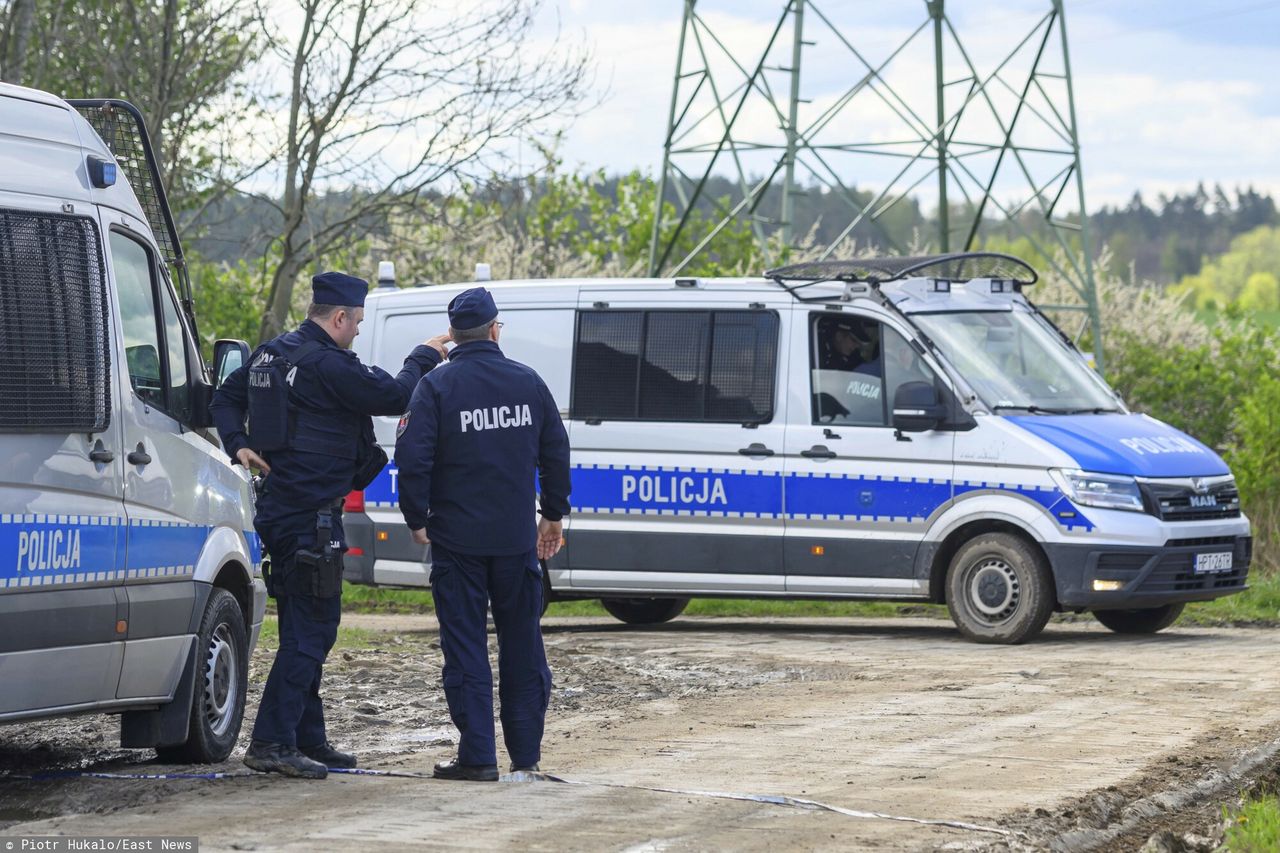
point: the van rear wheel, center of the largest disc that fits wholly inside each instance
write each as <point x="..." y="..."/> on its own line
<point x="645" y="611"/>
<point x="1146" y="620"/>
<point x="222" y="679"/>
<point x="999" y="589"/>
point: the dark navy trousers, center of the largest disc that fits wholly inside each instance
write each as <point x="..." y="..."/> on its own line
<point x="291" y="712"/>
<point x="464" y="588"/>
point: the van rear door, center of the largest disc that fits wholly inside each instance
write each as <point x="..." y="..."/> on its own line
<point x="61" y="510"/>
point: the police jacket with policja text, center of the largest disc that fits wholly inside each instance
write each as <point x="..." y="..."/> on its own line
<point x="478" y="430"/>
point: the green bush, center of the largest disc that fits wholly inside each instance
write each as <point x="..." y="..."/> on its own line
<point x="1225" y="392"/>
<point x="1196" y="387"/>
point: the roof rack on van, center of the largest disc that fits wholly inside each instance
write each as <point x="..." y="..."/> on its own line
<point x="121" y="127"/>
<point x="955" y="266"/>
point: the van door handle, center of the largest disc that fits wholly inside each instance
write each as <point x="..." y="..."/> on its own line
<point x="818" y="451"/>
<point x="139" y="456"/>
<point x="755" y="449"/>
<point x="100" y="454"/>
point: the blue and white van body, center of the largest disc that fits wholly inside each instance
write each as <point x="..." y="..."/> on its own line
<point x="129" y="570"/>
<point x="724" y="445"/>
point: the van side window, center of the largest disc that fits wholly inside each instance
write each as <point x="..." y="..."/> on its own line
<point x="675" y="366"/>
<point x="55" y="344"/>
<point x="139" y="317"/>
<point x="846" y="370"/>
<point x="902" y="364"/>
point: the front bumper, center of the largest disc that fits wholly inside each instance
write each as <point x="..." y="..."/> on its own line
<point x="1150" y="576"/>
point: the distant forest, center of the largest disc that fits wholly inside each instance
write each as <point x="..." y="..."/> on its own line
<point x="1163" y="240"/>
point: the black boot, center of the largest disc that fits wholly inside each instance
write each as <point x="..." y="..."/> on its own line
<point x="526" y="768"/>
<point x="270" y="757"/>
<point x="328" y="756"/>
<point x="451" y="769"/>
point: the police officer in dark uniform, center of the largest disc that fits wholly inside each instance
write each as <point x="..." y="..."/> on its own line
<point x="299" y="411"/>
<point x="846" y="345"/>
<point x="477" y="430"/>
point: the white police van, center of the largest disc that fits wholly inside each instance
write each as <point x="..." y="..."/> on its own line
<point x="901" y="428"/>
<point x="128" y="570"/>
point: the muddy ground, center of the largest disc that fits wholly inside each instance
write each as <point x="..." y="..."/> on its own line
<point x="1082" y="740"/>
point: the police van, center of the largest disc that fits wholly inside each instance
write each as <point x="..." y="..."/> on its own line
<point x="910" y="429"/>
<point x="129" y="573"/>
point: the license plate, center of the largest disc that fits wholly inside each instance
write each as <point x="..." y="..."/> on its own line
<point x="1210" y="563"/>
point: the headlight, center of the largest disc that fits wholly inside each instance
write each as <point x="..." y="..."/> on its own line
<point x="1109" y="491"/>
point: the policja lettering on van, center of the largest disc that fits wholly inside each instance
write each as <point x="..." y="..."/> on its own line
<point x="495" y="417"/>
<point x="673" y="489"/>
<point x="1160" y="444"/>
<point x="49" y="549"/>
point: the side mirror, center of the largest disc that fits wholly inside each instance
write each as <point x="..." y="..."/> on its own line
<point x="228" y="356"/>
<point x="201" y="397"/>
<point x="916" y="407"/>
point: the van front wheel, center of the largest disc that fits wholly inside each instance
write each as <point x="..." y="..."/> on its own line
<point x="1147" y="620"/>
<point x="222" y="675"/>
<point x="645" y="611"/>
<point x="999" y="589"/>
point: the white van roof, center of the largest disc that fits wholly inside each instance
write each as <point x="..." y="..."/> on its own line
<point x="680" y="287"/>
<point x="43" y="146"/>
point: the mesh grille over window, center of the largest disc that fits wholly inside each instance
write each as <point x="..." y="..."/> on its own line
<point x="682" y="366"/>
<point x="54" y="350"/>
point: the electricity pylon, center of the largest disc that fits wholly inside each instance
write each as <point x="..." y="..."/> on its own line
<point x="988" y="133"/>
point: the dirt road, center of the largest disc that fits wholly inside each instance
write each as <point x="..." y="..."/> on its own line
<point x="1081" y="740"/>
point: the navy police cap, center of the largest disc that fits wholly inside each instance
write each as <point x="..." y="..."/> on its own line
<point x="471" y="309"/>
<point x="338" y="288"/>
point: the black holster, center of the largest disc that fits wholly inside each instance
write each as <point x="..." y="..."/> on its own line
<point x="317" y="571"/>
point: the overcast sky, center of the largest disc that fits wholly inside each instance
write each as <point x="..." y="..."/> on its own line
<point x="1167" y="93"/>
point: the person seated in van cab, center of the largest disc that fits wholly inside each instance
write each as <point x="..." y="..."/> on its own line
<point x="845" y="345"/>
<point x="308" y="400"/>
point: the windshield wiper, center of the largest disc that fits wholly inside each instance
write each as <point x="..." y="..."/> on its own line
<point x="1046" y="410"/>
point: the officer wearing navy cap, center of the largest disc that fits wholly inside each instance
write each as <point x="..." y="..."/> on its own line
<point x="478" y="430"/>
<point x="299" y="411"/>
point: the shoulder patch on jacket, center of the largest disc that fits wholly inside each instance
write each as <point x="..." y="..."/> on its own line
<point x="403" y="425"/>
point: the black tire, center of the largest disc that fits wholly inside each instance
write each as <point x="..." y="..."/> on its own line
<point x="999" y="589"/>
<point x="1147" y="620"/>
<point x="645" y="611"/>
<point x="222" y="680"/>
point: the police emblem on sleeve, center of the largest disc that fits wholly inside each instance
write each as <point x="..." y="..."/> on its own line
<point x="403" y="425"/>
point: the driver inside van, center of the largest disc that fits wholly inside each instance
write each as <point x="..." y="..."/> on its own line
<point x="845" y="344"/>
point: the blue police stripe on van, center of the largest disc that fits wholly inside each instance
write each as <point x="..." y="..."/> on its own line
<point x="163" y="544"/>
<point x="755" y="494"/>
<point x="383" y="491"/>
<point x="682" y="491"/>
<point x="837" y="496"/>
<point x="40" y="550"/>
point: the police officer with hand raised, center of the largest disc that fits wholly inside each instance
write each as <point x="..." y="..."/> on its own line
<point x="477" y="430"/>
<point x="299" y="411"/>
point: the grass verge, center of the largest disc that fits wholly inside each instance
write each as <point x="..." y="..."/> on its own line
<point x="348" y="638"/>
<point x="1254" y="827"/>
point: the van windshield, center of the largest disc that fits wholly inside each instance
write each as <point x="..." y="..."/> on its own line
<point x="1015" y="363"/>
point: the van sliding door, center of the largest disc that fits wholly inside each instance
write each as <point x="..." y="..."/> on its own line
<point x="677" y="438"/>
